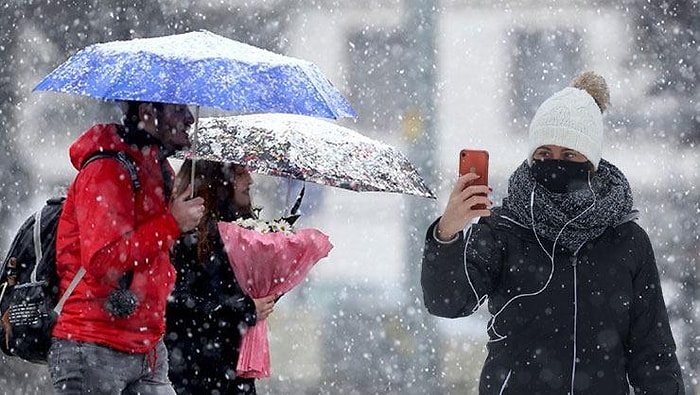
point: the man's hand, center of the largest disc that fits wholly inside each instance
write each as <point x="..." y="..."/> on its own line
<point x="264" y="306"/>
<point x="187" y="213"/>
<point x="458" y="211"/>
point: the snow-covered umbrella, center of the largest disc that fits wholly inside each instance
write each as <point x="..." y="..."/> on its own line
<point x="201" y="69"/>
<point x="309" y="149"/>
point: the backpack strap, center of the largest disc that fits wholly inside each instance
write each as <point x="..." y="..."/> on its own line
<point x="2" y="292"/>
<point x="123" y="158"/>
<point x="37" y="244"/>
<point x="130" y="166"/>
<point x="71" y="287"/>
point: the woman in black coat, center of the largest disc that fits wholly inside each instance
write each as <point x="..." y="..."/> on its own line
<point x="208" y="312"/>
<point x="572" y="284"/>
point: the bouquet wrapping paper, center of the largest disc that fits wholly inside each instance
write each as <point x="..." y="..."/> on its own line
<point x="270" y="263"/>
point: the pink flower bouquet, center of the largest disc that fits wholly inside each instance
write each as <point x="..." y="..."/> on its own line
<point x="268" y="260"/>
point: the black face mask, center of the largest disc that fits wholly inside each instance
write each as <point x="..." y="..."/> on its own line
<point x="560" y="176"/>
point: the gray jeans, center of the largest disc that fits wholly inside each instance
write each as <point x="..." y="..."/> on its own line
<point x="89" y="368"/>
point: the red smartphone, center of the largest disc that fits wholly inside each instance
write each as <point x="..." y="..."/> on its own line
<point x="475" y="161"/>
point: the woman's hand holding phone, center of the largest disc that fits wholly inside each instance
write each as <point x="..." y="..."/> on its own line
<point x="461" y="209"/>
<point x="469" y="198"/>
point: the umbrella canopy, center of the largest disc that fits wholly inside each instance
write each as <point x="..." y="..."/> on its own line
<point x="199" y="68"/>
<point x="309" y="149"/>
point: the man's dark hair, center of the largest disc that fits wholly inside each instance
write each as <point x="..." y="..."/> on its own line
<point x="132" y="134"/>
<point x="131" y="112"/>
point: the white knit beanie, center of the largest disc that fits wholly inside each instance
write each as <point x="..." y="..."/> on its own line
<point x="571" y="118"/>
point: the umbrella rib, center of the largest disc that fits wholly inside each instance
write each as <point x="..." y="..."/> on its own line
<point x="320" y="91"/>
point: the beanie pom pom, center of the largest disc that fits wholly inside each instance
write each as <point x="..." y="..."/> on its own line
<point x="596" y="86"/>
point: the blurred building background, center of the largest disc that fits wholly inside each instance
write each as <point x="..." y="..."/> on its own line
<point x="429" y="77"/>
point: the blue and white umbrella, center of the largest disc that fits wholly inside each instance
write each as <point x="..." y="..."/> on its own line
<point x="201" y="69"/>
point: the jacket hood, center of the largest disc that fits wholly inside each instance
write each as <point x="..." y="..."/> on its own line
<point x="99" y="138"/>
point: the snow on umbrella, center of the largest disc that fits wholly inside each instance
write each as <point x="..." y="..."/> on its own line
<point x="308" y="149"/>
<point x="199" y="68"/>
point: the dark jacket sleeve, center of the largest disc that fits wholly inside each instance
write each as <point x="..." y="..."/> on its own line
<point x="452" y="285"/>
<point x="208" y="290"/>
<point x="653" y="366"/>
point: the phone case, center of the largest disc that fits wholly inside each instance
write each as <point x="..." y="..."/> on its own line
<point x="475" y="161"/>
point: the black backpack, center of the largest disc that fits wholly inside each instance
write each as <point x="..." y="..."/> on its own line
<point x="28" y="281"/>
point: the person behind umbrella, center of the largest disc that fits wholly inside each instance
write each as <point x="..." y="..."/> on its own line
<point x="208" y="311"/>
<point x="571" y="280"/>
<point x="114" y="232"/>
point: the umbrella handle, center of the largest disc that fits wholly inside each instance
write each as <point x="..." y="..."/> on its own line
<point x="194" y="149"/>
<point x="297" y="203"/>
<point x="293" y="216"/>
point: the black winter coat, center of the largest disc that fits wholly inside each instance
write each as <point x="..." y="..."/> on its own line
<point x="593" y="322"/>
<point x="204" y="318"/>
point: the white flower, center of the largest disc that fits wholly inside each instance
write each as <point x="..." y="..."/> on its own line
<point x="248" y="223"/>
<point x="263" y="226"/>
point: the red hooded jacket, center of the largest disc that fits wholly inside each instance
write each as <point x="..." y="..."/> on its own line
<point x="109" y="230"/>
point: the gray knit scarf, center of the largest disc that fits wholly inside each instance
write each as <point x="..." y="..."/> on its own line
<point x="613" y="202"/>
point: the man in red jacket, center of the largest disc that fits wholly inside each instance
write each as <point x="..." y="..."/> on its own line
<point x="110" y="230"/>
